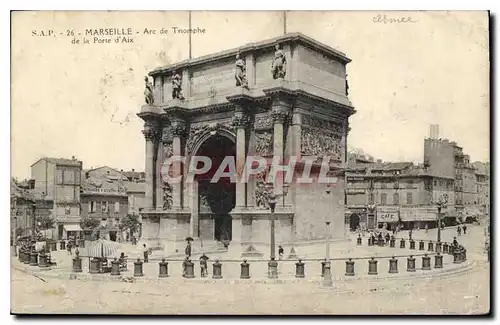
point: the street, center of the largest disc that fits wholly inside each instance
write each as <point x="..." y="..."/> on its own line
<point x="458" y="293"/>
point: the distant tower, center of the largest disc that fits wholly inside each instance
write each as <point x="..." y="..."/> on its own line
<point x="434" y="131"/>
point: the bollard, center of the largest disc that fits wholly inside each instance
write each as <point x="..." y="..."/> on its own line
<point x="272" y="268"/>
<point x="189" y="269"/>
<point x="438" y="261"/>
<point x="163" y="269"/>
<point x="323" y="263"/>
<point x="94" y="265"/>
<point x="456" y="256"/>
<point x="412" y="244"/>
<point x="21" y="255"/>
<point x="300" y="269"/>
<point x="410" y="265"/>
<point x="426" y="262"/>
<point x="138" y="268"/>
<point x="359" y="239"/>
<point x="77" y="263"/>
<point x="421" y="246"/>
<point x="430" y="246"/>
<point x="33" y="258"/>
<point x="372" y="266"/>
<point x="43" y="260"/>
<point x="245" y="270"/>
<point x="62" y="245"/>
<point x="438" y="247"/>
<point x="115" y="267"/>
<point x="393" y="265"/>
<point x="349" y="267"/>
<point x="217" y="270"/>
<point x="402" y="243"/>
<point x="392" y="242"/>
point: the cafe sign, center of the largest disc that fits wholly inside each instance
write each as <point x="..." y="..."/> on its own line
<point x="389" y="214"/>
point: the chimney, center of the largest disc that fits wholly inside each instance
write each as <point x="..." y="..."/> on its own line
<point x="434" y="131"/>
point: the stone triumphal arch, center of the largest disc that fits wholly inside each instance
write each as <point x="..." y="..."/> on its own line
<point x="283" y="97"/>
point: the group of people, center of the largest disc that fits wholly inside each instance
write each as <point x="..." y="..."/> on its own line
<point x="459" y="229"/>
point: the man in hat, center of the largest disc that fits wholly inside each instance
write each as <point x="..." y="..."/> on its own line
<point x="187" y="251"/>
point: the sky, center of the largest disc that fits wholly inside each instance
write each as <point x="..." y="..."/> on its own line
<point x="82" y="99"/>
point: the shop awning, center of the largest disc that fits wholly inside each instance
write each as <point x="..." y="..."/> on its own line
<point x="417" y="215"/>
<point x="72" y="228"/>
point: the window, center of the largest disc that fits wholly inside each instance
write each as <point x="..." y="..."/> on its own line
<point x="104" y="206"/>
<point x="396" y="198"/>
<point x="409" y="198"/>
<point x="69" y="177"/>
<point x="383" y="199"/>
<point x="117" y="207"/>
<point x="59" y="176"/>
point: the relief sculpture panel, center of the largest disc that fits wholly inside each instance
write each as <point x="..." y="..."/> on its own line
<point x="315" y="143"/>
<point x="263" y="144"/>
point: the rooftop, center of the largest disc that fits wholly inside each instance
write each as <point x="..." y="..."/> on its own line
<point x="60" y="161"/>
<point x="283" y="39"/>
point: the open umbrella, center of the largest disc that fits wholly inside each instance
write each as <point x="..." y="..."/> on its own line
<point x="102" y="248"/>
<point x="189" y="239"/>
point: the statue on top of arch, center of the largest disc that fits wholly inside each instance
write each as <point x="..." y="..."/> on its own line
<point x="278" y="67"/>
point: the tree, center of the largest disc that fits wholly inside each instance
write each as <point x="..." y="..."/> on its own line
<point x="90" y="224"/>
<point x="45" y="222"/>
<point x="130" y="223"/>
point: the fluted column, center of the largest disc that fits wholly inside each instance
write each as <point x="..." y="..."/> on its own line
<point x="150" y="134"/>
<point x="279" y="116"/>
<point x="240" y="122"/>
<point x="178" y="134"/>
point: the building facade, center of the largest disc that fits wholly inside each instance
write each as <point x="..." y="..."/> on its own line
<point x="104" y="198"/>
<point x="227" y="105"/>
<point x="58" y="180"/>
<point x="388" y="194"/>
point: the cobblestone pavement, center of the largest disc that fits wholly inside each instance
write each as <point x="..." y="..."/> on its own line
<point x="464" y="292"/>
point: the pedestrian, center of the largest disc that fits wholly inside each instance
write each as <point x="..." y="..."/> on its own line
<point x="145" y="252"/>
<point x="187" y="251"/>
<point x="203" y="265"/>
<point x="280" y="252"/>
<point x="387" y="237"/>
<point x="68" y="247"/>
<point x="455" y="242"/>
<point x="459" y="230"/>
<point x="426" y="228"/>
<point x="465" y="229"/>
<point x="410" y="233"/>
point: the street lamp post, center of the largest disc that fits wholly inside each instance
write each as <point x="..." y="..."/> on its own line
<point x="272" y="205"/>
<point x="327" y="276"/>
<point x="441" y="203"/>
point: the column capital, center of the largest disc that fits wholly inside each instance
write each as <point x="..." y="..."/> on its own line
<point x="151" y="131"/>
<point x="240" y="121"/>
<point x="279" y="115"/>
<point x="179" y="129"/>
